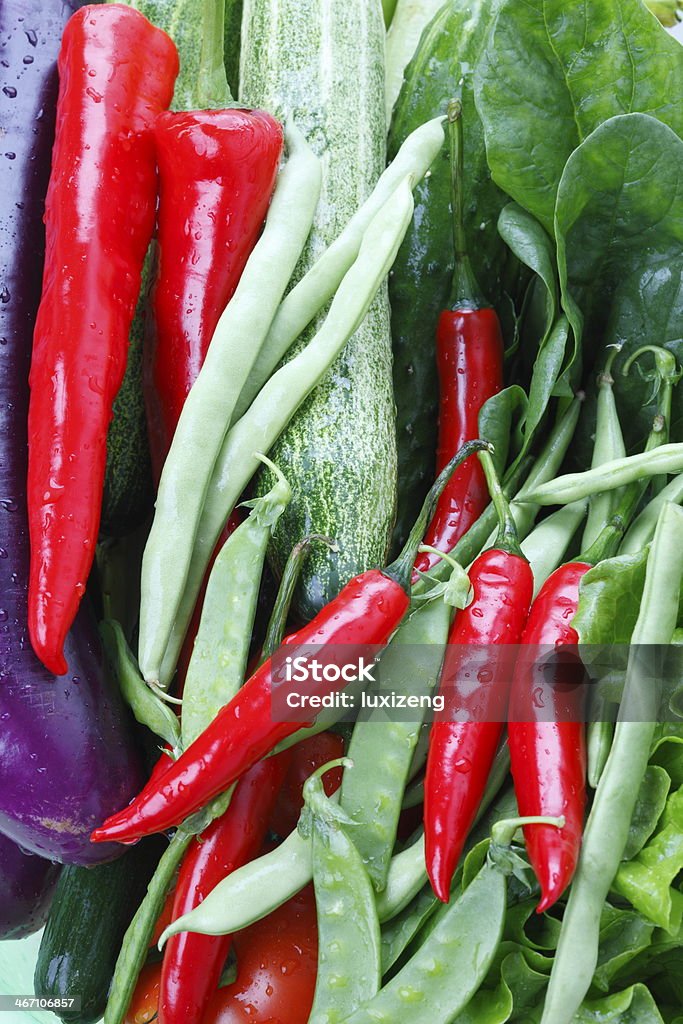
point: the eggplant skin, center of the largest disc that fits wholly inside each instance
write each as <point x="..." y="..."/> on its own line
<point x="27" y="884"/>
<point x="67" y="753"/>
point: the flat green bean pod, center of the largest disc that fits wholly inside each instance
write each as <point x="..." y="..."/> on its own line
<point x="642" y="530"/>
<point x="318" y="286"/>
<point x="608" y="823"/>
<point x="206" y="415"/>
<point x="221" y="650"/>
<point x="546" y="545"/>
<point x="634" y="468"/>
<point x="348" y="930"/>
<point x="279" y="399"/>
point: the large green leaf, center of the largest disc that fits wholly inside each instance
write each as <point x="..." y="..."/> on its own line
<point x="609" y="600"/>
<point x="619" y="211"/>
<point x="553" y="71"/>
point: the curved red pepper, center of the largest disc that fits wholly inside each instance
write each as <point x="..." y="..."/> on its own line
<point x="117" y="73"/>
<point x="217" y="171"/>
<point x="469" y="352"/>
<point x="546" y="736"/>
<point x="366" y="612"/>
<point x="193" y="963"/>
<point x="474" y="681"/>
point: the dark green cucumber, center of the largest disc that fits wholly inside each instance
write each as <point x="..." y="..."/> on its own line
<point x="442" y="68"/>
<point x="231" y="49"/>
<point x="91" y="910"/>
<point x="128" y="487"/>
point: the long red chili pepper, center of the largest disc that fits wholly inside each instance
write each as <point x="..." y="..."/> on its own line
<point x="366" y="612"/>
<point x="469" y="354"/>
<point x="193" y="963"/>
<point x="546" y="734"/>
<point x="474" y="682"/>
<point x="116" y="75"/>
<point x="217" y="171"/>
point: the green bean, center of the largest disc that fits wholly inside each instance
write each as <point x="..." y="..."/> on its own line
<point x="205" y="417"/>
<point x="381" y="749"/>
<point x="135" y="945"/>
<point x="615" y="798"/>
<point x="608" y="477"/>
<point x="642" y="530"/>
<point x="290" y="577"/>
<point x="608" y="445"/>
<point x="147" y="708"/>
<point x="221" y="650"/>
<point x="279" y="399"/>
<point x="318" y="286"/>
<point x="348" y="929"/>
<point x="545" y="546"/>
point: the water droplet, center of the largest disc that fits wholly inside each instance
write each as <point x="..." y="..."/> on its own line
<point x="4" y="294"/>
<point x="28" y="59"/>
<point x="9" y="91"/>
<point x="9" y="505"/>
<point x="11" y="156"/>
<point x="3" y="552"/>
<point x="4" y="615"/>
<point x="32" y="36"/>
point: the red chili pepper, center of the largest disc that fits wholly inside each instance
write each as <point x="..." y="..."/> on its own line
<point x="217" y="170"/>
<point x="365" y="613"/>
<point x="116" y="75"/>
<point x="546" y="734"/>
<point x="193" y="963"/>
<point x="464" y="739"/>
<point x="469" y="355"/>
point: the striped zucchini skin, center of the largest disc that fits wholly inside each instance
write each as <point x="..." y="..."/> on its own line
<point x="322" y="63"/>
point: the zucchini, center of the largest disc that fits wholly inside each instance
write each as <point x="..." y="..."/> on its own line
<point x="128" y="486"/>
<point x="419" y="287"/>
<point x="91" y="910"/>
<point x="323" y="64"/>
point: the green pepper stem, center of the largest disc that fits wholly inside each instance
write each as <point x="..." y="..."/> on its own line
<point x="401" y="568"/>
<point x="506" y="538"/>
<point x="213" y="91"/>
<point x="465" y="291"/>
<point x="288" y="582"/>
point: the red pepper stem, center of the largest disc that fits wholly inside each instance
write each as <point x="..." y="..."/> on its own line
<point x="288" y="582"/>
<point x="506" y="538"/>
<point x="503" y="832"/>
<point x="213" y="91"/>
<point x="465" y="291"/>
<point x="401" y="568"/>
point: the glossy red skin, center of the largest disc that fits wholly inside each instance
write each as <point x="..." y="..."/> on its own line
<point x="217" y="171"/>
<point x="307" y="757"/>
<point x="461" y="753"/>
<point x="548" y="758"/>
<point x="469" y="354"/>
<point x="277" y="965"/>
<point x="99" y="218"/>
<point x="193" y="963"/>
<point x="365" y="612"/>
<point x="145" y="1000"/>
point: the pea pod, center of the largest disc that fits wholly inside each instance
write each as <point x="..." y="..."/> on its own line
<point x="608" y="824"/>
<point x="187" y="472"/>
<point x="348" y="929"/>
<point x="448" y="968"/>
<point x="642" y="529"/>
<point x="279" y="399"/>
<point x="149" y="710"/>
<point x="381" y="749"/>
<point x="219" y="658"/>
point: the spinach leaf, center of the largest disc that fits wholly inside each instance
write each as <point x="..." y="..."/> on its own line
<point x="619" y="210"/>
<point x="553" y="71"/>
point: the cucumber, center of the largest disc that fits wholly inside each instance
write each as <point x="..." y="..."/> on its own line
<point x="323" y="64"/>
<point x="91" y="910"/>
<point x="443" y="67"/>
<point x="128" y="486"/>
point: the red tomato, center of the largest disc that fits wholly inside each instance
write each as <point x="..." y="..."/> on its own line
<point x="277" y="961"/>
<point x="307" y="757"/>
<point x="145" y="1002"/>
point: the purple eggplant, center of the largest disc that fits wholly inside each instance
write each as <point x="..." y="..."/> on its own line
<point x="67" y="751"/>
<point x="27" y="883"/>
